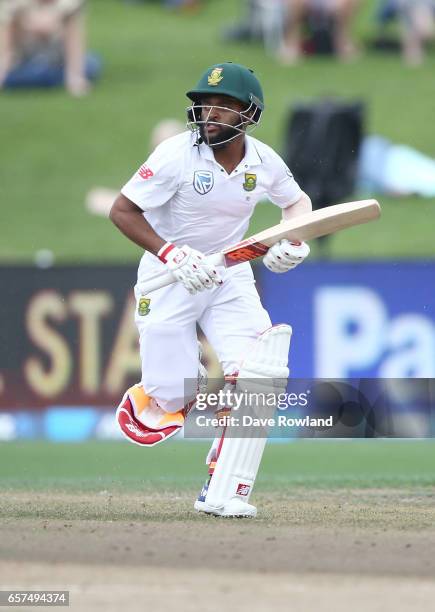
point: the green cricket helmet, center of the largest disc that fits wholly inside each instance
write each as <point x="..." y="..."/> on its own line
<point x="232" y="80"/>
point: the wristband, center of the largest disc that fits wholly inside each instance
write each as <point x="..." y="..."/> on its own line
<point x="164" y="251"/>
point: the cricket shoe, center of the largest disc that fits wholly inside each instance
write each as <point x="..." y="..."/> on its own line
<point x="143" y="422"/>
<point x="234" y="508"/>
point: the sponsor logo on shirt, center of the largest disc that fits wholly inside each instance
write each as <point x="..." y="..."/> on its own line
<point x="203" y="181"/>
<point x="250" y="182"/>
<point x="143" y="307"/>
<point x="145" y="172"/>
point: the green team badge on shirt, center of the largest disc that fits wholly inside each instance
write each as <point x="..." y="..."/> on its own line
<point x="250" y="182"/>
<point x="143" y="307"/>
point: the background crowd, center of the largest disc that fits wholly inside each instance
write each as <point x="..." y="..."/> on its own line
<point x="294" y="28"/>
<point x="43" y="42"/>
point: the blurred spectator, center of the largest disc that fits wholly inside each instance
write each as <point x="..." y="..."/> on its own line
<point x="189" y="5"/>
<point x="417" y="19"/>
<point x="268" y="20"/>
<point x="42" y="44"/>
<point x="262" y="20"/>
<point x="289" y="27"/>
<point x="340" y="14"/>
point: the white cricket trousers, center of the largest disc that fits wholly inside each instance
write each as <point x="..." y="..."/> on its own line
<point x="231" y="317"/>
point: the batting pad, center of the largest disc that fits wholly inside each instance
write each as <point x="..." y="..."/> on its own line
<point x="240" y="454"/>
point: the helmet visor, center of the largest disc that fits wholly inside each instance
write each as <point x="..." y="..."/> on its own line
<point x="218" y="125"/>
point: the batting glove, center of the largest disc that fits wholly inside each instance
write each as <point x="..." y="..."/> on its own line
<point x="189" y="267"/>
<point x="285" y="255"/>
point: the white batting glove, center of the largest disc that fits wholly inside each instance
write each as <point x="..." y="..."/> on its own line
<point x="285" y="255"/>
<point x="190" y="267"/>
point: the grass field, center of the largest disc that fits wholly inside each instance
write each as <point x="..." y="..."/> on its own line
<point x="341" y="524"/>
<point x="54" y="148"/>
<point x="308" y="464"/>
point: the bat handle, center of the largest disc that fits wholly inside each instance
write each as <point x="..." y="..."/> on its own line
<point x="157" y="282"/>
<point x="160" y="280"/>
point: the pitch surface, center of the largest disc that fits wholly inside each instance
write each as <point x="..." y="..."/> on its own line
<point x="127" y="536"/>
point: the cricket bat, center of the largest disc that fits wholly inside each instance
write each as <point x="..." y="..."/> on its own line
<point x="304" y="227"/>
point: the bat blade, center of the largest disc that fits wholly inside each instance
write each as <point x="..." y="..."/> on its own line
<point x="305" y="227"/>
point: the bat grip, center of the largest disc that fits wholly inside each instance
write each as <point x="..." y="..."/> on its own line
<point x="157" y="282"/>
<point x="163" y="279"/>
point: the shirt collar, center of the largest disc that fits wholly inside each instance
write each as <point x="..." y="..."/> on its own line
<point x="252" y="157"/>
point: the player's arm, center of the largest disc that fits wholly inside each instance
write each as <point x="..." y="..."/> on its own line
<point x="301" y="207"/>
<point x="286" y="255"/>
<point x="129" y="219"/>
<point x="189" y="266"/>
<point x="285" y="192"/>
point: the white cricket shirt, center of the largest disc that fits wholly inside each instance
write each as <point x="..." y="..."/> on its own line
<point x="188" y="197"/>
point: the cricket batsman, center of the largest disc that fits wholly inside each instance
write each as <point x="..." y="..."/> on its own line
<point x="193" y="196"/>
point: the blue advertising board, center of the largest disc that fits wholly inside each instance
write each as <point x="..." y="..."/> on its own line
<point x="69" y="345"/>
<point x="362" y="320"/>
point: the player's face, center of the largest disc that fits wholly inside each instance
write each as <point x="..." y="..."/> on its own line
<point x="219" y="114"/>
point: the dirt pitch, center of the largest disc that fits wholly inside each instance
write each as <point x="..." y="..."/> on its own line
<point x="312" y="550"/>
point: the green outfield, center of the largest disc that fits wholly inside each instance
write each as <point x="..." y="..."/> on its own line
<point x="339" y="523"/>
<point x="179" y="466"/>
<point x="54" y="148"/>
